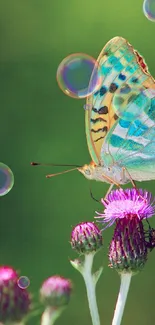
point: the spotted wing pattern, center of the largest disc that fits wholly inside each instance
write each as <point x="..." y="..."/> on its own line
<point x="132" y="143"/>
<point x="120" y="65"/>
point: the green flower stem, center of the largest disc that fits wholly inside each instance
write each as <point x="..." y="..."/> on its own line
<point x="13" y="323"/>
<point x="50" y="315"/>
<point x="90" y="283"/>
<point x="124" y="288"/>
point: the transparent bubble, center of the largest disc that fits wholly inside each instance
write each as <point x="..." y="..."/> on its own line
<point x="86" y="107"/>
<point x="149" y="9"/>
<point x="6" y="179"/>
<point x="129" y="103"/>
<point x="23" y="282"/>
<point x="79" y="75"/>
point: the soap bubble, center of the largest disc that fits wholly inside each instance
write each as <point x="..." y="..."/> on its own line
<point x="23" y="282"/>
<point x="149" y="9"/>
<point x="6" y="179"/>
<point x="87" y="107"/>
<point x="79" y="75"/>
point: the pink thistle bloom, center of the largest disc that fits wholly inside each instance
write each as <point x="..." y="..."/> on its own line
<point x="127" y="203"/>
<point x="56" y="291"/>
<point x="14" y="301"/>
<point x="127" y="209"/>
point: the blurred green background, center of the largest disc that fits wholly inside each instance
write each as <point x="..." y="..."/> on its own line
<point x="40" y="123"/>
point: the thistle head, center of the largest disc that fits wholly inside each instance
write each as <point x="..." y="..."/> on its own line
<point x="56" y="291"/>
<point x="86" y="238"/>
<point x="127" y="209"/>
<point x="129" y="203"/>
<point x="14" y="301"/>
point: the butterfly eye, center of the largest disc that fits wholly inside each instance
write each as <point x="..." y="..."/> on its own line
<point x="87" y="172"/>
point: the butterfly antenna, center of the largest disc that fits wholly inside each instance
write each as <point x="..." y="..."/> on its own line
<point x="64" y="172"/>
<point x="56" y="165"/>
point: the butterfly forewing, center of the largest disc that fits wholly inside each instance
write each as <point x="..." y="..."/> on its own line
<point x="121" y="66"/>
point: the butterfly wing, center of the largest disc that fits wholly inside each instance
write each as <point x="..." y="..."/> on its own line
<point x="118" y="62"/>
<point x="132" y="143"/>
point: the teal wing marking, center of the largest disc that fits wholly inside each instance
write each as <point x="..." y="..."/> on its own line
<point x="122" y="68"/>
<point x="132" y="144"/>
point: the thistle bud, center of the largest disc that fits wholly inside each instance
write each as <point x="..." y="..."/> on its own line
<point x="14" y="301"/>
<point x="86" y="238"/>
<point x="56" y="291"/>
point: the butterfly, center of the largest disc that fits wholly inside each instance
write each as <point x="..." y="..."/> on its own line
<point x="120" y="119"/>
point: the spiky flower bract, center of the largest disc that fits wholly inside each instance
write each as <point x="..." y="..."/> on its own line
<point x="128" y="250"/>
<point x="127" y="209"/>
<point x="86" y="237"/>
<point x="56" y="291"/>
<point x="14" y="301"/>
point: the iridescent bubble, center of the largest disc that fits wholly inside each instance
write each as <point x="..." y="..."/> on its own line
<point x="129" y="103"/>
<point x="23" y="282"/>
<point x="6" y="179"/>
<point x="79" y="75"/>
<point x="86" y="107"/>
<point x="149" y="9"/>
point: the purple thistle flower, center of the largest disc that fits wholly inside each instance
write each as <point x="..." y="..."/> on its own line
<point x="56" y="291"/>
<point x="127" y="209"/>
<point x="14" y="301"/>
<point x="127" y="203"/>
<point x="86" y="237"/>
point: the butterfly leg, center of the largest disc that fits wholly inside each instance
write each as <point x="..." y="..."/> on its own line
<point x="109" y="190"/>
<point x="110" y="180"/>
<point x="132" y="182"/>
<point x="98" y="201"/>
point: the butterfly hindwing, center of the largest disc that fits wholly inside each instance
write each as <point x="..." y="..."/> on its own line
<point x="132" y="143"/>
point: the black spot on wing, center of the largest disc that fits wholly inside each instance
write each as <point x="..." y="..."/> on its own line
<point x="103" y="91"/>
<point x="121" y="76"/>
<point x="101" y="110"/>
<point x="134" y="80"/>
<point x="113" y="87"/>
<point x="115" y="117"/>
<point x="99" y="139"/>
<point x="104" y="129"/>
<point x="98" y="119"/>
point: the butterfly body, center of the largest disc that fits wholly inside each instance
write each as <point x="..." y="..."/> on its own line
<point x="120" y="120"/>
<point x="111" y="175"/>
